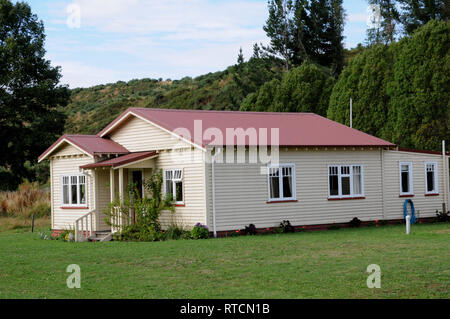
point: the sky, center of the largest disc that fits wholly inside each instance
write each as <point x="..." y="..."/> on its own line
<point x="104" y="41"/>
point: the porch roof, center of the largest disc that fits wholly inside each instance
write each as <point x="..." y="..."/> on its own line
<point x="122" y="160"/>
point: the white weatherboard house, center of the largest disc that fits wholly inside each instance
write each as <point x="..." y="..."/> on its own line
<point x="267" y="167"/>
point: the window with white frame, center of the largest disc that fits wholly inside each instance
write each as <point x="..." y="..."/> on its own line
<point x="406" y="183"/>
<point x="281" y="181"/>
<point x="74" y="190"/>
<point x="431" y="177"/>
<point x="345" y="181"/>
<point x="173" y="184"/>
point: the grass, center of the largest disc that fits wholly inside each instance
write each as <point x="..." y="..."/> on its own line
<point x="321" y="264"/>
<point x="10" y="223"/>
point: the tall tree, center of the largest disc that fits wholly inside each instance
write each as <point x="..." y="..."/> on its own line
<point x="29" y="92"/>
<point x="307" y="29"/>
<point x="279" y="27"/>
<point x="323" y="22"/>
<point x="419" y="12"/>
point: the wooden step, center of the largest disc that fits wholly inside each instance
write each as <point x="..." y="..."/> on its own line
<point x="101" y="236"/>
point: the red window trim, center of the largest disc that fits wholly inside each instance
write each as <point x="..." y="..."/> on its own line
<point x="74" y="207"/>
<point x="282" y="201"/>
<point x="180" y="205"/>
<point x="411" y="195"/>
<point x="432" y="194"/>
<point x="347" y="198"/>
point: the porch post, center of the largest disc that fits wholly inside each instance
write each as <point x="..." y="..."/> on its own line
<point x="111" y="183"/>
<point x="121" y="183"/>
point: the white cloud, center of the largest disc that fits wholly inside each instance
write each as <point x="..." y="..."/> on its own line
<point x="81" y="75"/>
<point x="181" y="19"/>
<point x="121" y="40"/>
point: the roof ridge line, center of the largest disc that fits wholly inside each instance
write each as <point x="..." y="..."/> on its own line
<point x="222" y="111"/>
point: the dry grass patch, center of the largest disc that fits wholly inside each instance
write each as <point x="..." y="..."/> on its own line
<point x="29" y="199"/>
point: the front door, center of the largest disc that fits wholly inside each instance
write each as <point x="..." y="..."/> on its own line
<point x="137" y="182"/>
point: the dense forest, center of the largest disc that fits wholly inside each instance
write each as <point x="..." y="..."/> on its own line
<point x="398" y="79"/>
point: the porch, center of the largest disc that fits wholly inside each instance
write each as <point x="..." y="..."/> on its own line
<point x="112" y="177"/>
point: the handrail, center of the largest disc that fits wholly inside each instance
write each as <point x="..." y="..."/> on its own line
<point x="119" y="219"/>
<point x="84" y="226"/>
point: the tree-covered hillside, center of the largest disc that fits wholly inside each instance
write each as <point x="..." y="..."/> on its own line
<point x="93" y="108"/>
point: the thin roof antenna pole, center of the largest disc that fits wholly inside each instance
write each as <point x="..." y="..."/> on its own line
<point x="351" y="113"/>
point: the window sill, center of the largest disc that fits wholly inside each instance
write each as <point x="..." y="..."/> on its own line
<point x="74" y="207"/>
<point x="409" y="195"/>
<point x="346" y="198"/>
<point x="432" y="194"/>
<point x="281" y="201"/>
<point x="180" y="205"/>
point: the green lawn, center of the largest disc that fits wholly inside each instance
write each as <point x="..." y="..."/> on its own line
<point x="321" y="264"/>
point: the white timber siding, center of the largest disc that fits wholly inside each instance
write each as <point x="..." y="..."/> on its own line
<point x="194" y="209"/>
<point x="242" y="191"/>
<point x="425" y="206"/>
<point x="138" y="135"/>
<point x="67" y="162"/>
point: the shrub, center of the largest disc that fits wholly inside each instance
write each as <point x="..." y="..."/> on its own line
<point x="199" y="231"/>
<point x="355" y="222"/>
<point x="442" y="217"/>
<point x="137" y="232"/>
<point x="176" y="232"/>
<point x="250" y="230"/>
<point x="41" y="210"/>
<point x="286" y="227"/>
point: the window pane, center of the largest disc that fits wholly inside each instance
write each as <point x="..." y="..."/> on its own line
<point x="74" y="194"/>
<point x="287" y="186"/>
<point x="430" y="181"/>
<point x="345" y="185"/>
<point x="334" y="188"/>
<point x="177" y="174"/>
<point x="179" y="191"/>
<point x="65" y="194"/>
<point x="169" y="188"/>
<point x="274" y="187"/>
<point x="82" y="188"/>
<point x="405" y="181"/>
<point x="357" y="189"/>
<point x="345" y="170"/>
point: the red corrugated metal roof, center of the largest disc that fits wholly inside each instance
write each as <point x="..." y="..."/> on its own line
<point x="295" y="129"/>
<point x="91" y="144"/>
<point x="122" y="160"/>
